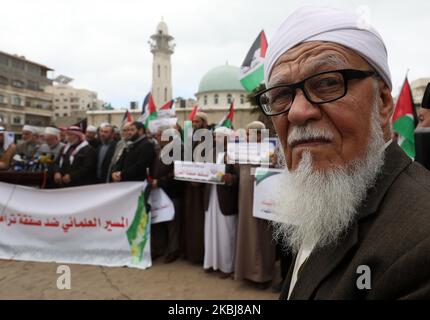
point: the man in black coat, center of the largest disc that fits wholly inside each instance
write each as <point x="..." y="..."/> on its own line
<point x="76" y="166"/>
<point x="105" y="152"/>
<point x="165" y="236"/>
<point x="137" y="157"/>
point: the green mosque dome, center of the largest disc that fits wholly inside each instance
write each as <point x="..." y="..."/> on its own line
<point x="222" y="78"/>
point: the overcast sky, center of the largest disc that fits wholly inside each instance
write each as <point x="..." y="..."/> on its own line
<point x="103" y="44"/>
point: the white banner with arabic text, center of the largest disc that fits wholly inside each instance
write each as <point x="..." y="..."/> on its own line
<point x="100" y="225"/>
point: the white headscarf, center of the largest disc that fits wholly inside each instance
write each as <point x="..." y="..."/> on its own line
<point x="312" y="23"/>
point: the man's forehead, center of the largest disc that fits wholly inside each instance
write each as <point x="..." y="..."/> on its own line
<point x="313" y="57"/>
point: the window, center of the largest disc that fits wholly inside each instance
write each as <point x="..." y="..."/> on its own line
<point x="165" y="94"/>
<point x="3" y="119"/>
<point x="57" y="100"/>
<point x="2" y="99"/>
<point x="165" y="72"/>
<point x="32" y="85"/>
<point x="65" y="100"/>
<point x="4" y="60"/>
<point x="158" y="68"/>
<point x="57" y="114"/>
<point x="4" y="80"/>
<point x="18" y="64"/>
<point x="242" y="99"/>
<point x="205" y="100"/>
<point x="64" y="114"/>
<point x="216" y="99"/>
<point x="57" y="107"/>
<point x="17" y="120"/>
<point x="18" y="83"/>
<point x="33" y="69"/>
<point x="65" y="107"/>
<point x="229" y="98"/>
<point x="16" y="100"/>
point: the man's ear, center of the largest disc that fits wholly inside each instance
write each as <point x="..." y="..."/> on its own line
<point x="386" y="105"/>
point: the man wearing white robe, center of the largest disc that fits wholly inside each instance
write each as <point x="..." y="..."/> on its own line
<point x="221" y="219"/>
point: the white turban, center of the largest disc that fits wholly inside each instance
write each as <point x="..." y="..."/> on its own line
<point x="52" y="131"/>
<point x="28" y="128"/>
<point x="257" y="125"/>
<point x="312" y="23"/>
<point x="223" y="131"/>
<point x="92" y="129"/>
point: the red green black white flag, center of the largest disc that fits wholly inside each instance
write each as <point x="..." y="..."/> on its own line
<point x="252" y="70"/>
<point x="404" y="120"/>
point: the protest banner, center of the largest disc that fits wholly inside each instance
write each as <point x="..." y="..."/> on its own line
<point x="162" y="208"/>
<point x="265" y="206"/>
<point x="100" y="225"/>
<point x="203" y="172"/>
<point x="161" y="122"/>
<point x="242" y="152"/>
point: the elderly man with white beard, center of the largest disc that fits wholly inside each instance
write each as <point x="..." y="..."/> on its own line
<point x="355" y="210"/>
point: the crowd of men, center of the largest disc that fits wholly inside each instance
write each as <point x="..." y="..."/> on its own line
<point x="213" y="224"/>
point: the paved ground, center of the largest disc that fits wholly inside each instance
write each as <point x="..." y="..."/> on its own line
<point x="178" y="280"/>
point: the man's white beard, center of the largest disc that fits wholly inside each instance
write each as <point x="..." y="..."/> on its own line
<point x="318" y="207"/>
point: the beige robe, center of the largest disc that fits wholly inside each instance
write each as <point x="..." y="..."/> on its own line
<point x="255" y="249"/>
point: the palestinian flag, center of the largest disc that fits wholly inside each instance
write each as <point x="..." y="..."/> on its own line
<point x="193" y="113"/>
<point x="227" y="121"/>
<point x="252" y="72"/>
<point x="145" y="102"/>
<point x="404" y="120"/>
<point x="168" y="105"/>
<point x="167" y="110"/>
<point x="149" y="111"/>
<point x="126" y="119"/>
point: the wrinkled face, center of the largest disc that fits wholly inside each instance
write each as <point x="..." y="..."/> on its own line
<point x="423" y="118"/>
<point x="106" y="133"/>
<point x="347" y="119"/>
<point x="27" y="136"/>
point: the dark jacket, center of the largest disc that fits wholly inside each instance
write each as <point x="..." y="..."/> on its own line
<point x="391" y="236"/>
<point x="135" y="160"/>
<point x="105" y="174"/>
<point x="165" y="176"/>
<point x="228" y="195"/>
<point x="82" y="170"/>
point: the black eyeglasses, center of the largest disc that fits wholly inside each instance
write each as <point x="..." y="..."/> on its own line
<point x="319" y="88"/>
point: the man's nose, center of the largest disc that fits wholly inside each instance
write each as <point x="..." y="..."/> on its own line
<point x="302" y="110"/>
